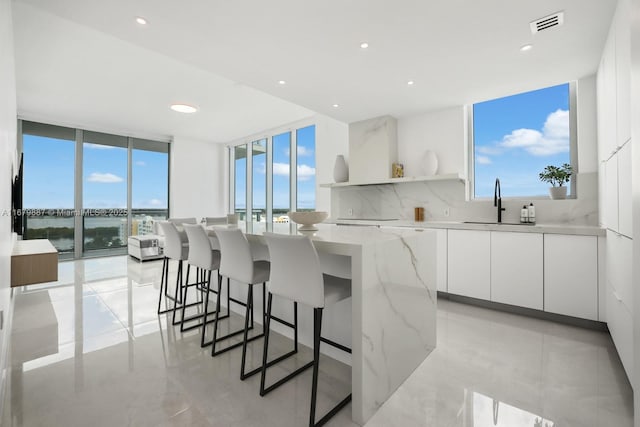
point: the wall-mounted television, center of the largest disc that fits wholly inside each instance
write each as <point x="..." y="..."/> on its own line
<point x="16" y="199"/>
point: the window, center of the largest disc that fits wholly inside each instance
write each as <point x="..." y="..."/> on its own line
<point x="266" y="181"/>
<point x="515" y="137"/>
<point x="281" y="182"/>
<point x="149" y="185"/>
<point x="48" y="188"/>
<point x="306" y="173"/>
<point x="88" y="191"/>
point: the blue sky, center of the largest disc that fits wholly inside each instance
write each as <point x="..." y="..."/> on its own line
<point x="516" y="137"/>
<point x="49" y="175"/>
<point x="306" y="172"/>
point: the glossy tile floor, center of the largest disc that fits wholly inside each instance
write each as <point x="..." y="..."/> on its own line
<point x="90" y="350"/>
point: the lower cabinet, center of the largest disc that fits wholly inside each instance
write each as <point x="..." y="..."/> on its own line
<point x="516" y="269"/>
<point x="619" y="296"/>
<point x="571" y="275"/>
<point x="469" y="263"/>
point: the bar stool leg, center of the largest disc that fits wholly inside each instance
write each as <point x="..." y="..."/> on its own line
<point x="317" y="326"/>
<point x="246" y="331"/>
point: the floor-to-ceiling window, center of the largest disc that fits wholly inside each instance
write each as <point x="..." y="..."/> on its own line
<point x="149" y="185"/>
<point x="48" y="188"/>
<point x="240" y="180"/>
<point x="88" y="191"/>
<point x="281" y="179"/>
<point x="259" y="181"/>
<point x="104" y="192"/>
<point x="306" y="168"/>
<point x="274" y="174"/>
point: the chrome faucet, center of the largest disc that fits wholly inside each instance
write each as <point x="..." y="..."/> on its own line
<point x="497" y="200"/>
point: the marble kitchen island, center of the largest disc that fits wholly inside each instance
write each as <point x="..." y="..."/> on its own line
<point x="394" y="303"/>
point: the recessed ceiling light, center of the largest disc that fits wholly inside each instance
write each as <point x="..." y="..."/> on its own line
<point x="282" y="82"/>
<point x="335" y="105"/>
<point x="140" y="20"/>
<point x="364" y="45"/>
<point x="411" y="83"/>
<point x="526" y="47"/>
<point x="183" y="108"/>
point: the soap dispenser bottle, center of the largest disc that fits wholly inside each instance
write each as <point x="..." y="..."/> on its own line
<point x="531" y="212"/>
<point x="524" y="214"/>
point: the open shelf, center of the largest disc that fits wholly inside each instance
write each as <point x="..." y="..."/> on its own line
<point x="444" y="177"/>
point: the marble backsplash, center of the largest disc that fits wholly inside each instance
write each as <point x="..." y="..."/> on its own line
<point x="439" y="198"/>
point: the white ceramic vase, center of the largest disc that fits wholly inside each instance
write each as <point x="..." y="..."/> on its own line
<point x="429" y="163"/>
<point x="558" y="193"/>
<point x="340" y="170"/>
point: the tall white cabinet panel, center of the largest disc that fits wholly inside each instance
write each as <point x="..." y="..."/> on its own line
<point x="610" y="214"/>
<point x="571" y="275"/>
<point x="623" y="72"/>
<point x="624" y="191"/>
<point x="619" y="267"/>
<point x="516" y="269"/>
<point x="469" y="263"/>
<point x="620" y="323"/>
<point x="442" y="259"/>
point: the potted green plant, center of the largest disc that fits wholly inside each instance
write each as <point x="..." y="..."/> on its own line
<point x="557" y="176"/>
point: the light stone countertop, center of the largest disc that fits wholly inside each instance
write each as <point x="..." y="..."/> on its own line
<point x="584" y="230"/>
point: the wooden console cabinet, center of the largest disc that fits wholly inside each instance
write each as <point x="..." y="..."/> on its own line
<point x="33" y="261"/>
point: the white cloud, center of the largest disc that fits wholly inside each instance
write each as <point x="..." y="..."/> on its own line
<point x="489" y="150"/>
<point x="483" y="160"/>
<point x="140" y="163"/>
<point x="553" y="139"/>
<point x="281" y="169"/>
<point x="98" y="146"/>
<point x="303" y="151"/>
<point x="104" y="178"/>
<point x="304" y="172"/>
<point x="155" y="202"/>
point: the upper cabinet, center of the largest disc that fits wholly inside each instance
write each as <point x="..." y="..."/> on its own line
<point x="623" y="72"/>
<point x="624" y="191"/>
<point x="606" y="84"/>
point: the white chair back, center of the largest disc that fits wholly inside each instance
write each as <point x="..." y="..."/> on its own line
<point x="173" y="247"/>
<point x="179" y="221"/>
<point x="201" y="254"/>
<point x="295" y="269"/>
<point x="236" y="261"/>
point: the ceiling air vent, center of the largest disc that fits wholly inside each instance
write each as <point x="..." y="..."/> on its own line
<point x="547" y="22"/>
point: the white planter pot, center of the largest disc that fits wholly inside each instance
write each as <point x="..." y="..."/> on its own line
<point x="340" y="170"/>
<point x="558" y="193"/>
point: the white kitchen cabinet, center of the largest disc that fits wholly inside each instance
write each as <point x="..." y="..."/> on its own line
<point x="517" y="269"/>
<point x="624" y="191"/>
<point x="571" y="275"/>
<point x="620" y="323"/>
<point x="610" y="214"/>
<point x="608" y="97"/>
<point x="441" y="258"/>
<point x="623" y="73"/>
<point x="469" y="263"/>
<point x="619" y="267"/>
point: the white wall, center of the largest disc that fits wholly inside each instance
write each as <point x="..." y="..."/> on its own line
<point x="332" y="139"/>
<point x="198" y="181"/>
<point x="442" y="132"/>
<point x="635" y="139"/>
<point x="7" y="166"/>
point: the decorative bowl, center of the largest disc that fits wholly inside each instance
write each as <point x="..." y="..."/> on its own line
<point x="308" y="220"/>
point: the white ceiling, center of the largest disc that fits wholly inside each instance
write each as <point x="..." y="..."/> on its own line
<point x="107" y="70"/>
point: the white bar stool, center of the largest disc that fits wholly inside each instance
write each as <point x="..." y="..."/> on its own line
<point x="237" y="263"/>
<point x="176" y="247"/>
<point x="296" y="275"/>
<point x="205" y="258"/>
